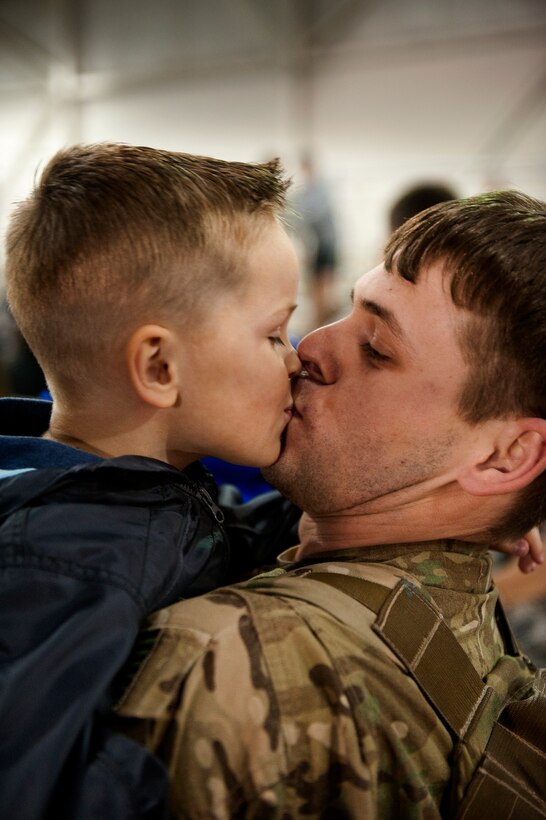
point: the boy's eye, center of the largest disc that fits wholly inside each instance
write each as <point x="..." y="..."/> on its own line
<point x="276" y="340"/>
<point x="374" y="355"/>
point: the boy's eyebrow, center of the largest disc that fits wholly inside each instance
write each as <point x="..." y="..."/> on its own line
<point x="382" y="313"/>
<point x="287" y="311"/>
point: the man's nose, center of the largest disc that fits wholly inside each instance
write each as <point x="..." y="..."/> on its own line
<point x="317" y="355"/>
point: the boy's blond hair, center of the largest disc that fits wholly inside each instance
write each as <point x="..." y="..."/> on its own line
<point x="114" y="236"/>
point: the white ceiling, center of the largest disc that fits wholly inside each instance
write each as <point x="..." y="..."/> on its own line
<point x="383" y="91"/>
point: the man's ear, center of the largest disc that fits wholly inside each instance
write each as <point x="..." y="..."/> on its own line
<point x="516" y="457"/>
<point x="151" y="361"/>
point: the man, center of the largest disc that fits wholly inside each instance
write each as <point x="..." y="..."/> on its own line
<point x="419" y="436"/>
<point x="265" y="697"/>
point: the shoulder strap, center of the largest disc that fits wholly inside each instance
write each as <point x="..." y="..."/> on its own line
<point x="429" y="649"/>
<point x="512" y="770"/>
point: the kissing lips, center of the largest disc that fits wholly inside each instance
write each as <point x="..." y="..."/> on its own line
<point x="295" y="412"/>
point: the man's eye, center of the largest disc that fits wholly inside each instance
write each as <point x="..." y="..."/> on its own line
<point x="374" y="355"/>
<point x="276" y="340"/>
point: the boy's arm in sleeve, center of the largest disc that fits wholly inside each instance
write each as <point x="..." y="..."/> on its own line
<point x="77" y="581"/>
<point x="62" y="645"/>
<point x="258" y="530"/>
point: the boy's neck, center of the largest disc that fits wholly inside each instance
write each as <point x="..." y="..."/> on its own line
<point x="73" y="441"/>
<point x="140" y="438"/>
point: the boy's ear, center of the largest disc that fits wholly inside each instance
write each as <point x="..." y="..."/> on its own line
<point x="152" y="365"/>
<point x="517" y="456"/>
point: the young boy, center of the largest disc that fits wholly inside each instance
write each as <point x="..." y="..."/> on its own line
<point x="154" y="289"/>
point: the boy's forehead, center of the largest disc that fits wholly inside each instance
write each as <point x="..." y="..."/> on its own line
<point x="246" y="228"/>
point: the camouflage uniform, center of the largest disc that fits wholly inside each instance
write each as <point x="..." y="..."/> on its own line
<point x="274" y="698"/>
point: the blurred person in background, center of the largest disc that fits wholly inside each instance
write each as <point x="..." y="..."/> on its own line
<point x="417" y="198"/>
<point x="313" y="221"/>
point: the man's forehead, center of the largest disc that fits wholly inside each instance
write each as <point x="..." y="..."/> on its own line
<point x="411" y="309"/>
<point x="434" y="276"/>
<point x="370" y="276"/>
<point x="375" y="283"/>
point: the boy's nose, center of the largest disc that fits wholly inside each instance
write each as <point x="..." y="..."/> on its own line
<point x="293" y="364"/>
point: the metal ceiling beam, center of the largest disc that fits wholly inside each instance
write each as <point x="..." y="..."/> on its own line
<point x="107" y="84"/>
<point x="259" y="13"/>
<point x="27" y="48"/>
<point x="527" y="108"/>
<point x="66" y="86"/>
<point x="328" y="26"/>
<point x="312" y="38"/>
<point x="315" y="29"/>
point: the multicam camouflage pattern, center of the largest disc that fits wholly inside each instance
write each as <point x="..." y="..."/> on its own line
<point x="275" y="698"/>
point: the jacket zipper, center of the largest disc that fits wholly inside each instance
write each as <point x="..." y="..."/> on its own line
<point x="202" y="495"/>
<point x="214" y="508"/>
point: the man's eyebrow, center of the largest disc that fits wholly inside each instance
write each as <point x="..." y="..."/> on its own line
<point x="382" y="313"/>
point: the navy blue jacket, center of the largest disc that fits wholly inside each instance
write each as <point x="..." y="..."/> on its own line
<point x="88" y="548"/>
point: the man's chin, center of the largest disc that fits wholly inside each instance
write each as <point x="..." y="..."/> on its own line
<point x="279" y="474"/>
<point x="271" y="472"/>
<point x="281" y="449"/>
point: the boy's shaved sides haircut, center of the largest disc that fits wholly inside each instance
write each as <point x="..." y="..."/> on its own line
<point x="493" y="247"/>
<point x="114" y="236"/>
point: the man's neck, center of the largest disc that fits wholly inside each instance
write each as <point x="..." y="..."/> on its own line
<point x="445" y="513"/>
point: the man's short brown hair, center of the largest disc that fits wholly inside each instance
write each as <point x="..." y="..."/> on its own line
<point x="493" y="247"/>
<point x="115" y="235"/>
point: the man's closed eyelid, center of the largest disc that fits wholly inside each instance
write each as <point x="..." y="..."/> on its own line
<point x="374" y="354"/>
